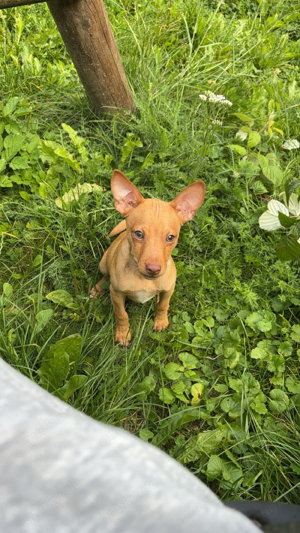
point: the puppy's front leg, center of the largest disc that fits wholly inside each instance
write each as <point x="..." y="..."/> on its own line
<point x="122" y="335"/>
<point x="161" y="312"/>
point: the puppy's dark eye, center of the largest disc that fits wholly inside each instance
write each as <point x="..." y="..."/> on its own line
<point x="170" y="238"/>
<point x="139" y="235"/>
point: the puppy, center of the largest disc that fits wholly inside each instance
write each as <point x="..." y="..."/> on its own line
<point x="139" y="262"/>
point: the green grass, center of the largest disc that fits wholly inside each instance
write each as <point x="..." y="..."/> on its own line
<point x="235" y="310"/>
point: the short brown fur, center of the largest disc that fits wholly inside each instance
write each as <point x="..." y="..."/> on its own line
<point x="142" y="267"/>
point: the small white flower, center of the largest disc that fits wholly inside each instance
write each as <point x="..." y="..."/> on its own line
<point x="270" y="219"/>
<point x="216" y="98"/>
<point x="217" y="122"/>
<point x="203" y="97"/>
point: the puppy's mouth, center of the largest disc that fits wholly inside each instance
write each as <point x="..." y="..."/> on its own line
<point x="147" y="276"/>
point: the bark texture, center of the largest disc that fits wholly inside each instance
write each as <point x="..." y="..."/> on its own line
<point x="87" y="34"/>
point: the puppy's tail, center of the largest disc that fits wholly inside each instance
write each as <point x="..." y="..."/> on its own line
<point x="118" y="229"/>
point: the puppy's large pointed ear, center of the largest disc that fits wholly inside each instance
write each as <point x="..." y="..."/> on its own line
<point x="189" y="200"/>
<point x="126" y="195"/>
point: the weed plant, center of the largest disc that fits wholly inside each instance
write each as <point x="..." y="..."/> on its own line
<point x="220" y="389"/>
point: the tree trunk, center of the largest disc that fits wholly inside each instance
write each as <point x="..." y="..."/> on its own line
<point x="87" y="34"/>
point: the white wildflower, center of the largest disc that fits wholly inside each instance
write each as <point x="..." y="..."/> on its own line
<point x="217" y="122"/>
<point x="217" y="98"/>
<point x="203" y="97"/>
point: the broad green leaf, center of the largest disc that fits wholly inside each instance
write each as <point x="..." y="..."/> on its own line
<point x="221" y="387"/>
<point x="166" y="395"/>
<point x="214" y="467"/>
<point x="43" y="190"/>
<point x="149" y="160"/>
<point x="190" y="373"/>
<point x="232" y="407"/>
<point x="288" y="248"/>
<point x="292" y="385"/>
<point x="258" y="188"/>
<point x="249" y="381"/>
<point x="146" y="434"/>
<point x="68" y="158"/>
<point x="279" y="401"/>
<point x="70" y="345"/>
<point x="253" y="139"/>
<point x="235" y="384"/>
<point x="2" y="165"/>
<point x="263" y="351"/>
<point x="37" y="261"/>
<point x="71" y="386"/>
<point x="189" y="361"/>
<point x="253" y="319"/>
<point x="172" y="371"/>
<point x="19" y="162"/>
<point x="294" y="205"/>
<point x="296" y="333"/>
<point x="238" y="149"/>
<point x="60" y="297"/>
<point x="232" y="357"/>
<point x="231" y="472"/>
<point x="12" y="145"/>
<point x="205" y="444"/>
<point x="209" y="322"/>
<point x="147" y="385"/>
<point x="274" y="174"/>
<point x="259" y="404"/>
<point x="25" y="196"/>
<point x="74" y="194"/>
<point x="244" y="118"/>
<point x="276" y="364"/>
<point x="54" y="371"/>
<point x="174" y="423"/>
<point x="196" y="391"/>
<point x="179" y="387"/>
<point x="182" y="398"/>
<point x="10" y="106"/>
<point x="42" y="318"/>
<point x="285" y="349"/>
<point x="7" y="289"/>
<point x="248" y="169"/>
<point x="264" y="325"/>
<point x="285" y="221"/>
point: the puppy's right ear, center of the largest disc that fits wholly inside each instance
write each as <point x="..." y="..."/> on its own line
<point x="126" y="195"/>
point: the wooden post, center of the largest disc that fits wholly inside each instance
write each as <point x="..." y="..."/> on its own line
<point x="15" y="3"/>
<point x="87" y="34"/>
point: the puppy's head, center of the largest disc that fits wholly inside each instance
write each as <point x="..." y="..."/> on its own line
<point x="153" y="226"/>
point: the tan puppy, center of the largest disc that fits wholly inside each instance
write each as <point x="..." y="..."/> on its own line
<point x="139" y="261"/>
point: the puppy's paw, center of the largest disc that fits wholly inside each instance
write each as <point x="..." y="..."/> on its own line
<point x="95" y="293"/>
<point x="160" y="324"/>
<point x="98" y="289"/>
<point x="122" y="336"/>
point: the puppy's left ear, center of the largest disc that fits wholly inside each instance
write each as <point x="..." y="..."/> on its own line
<point x="189" y="200"/>
<point x="125" y="193"/>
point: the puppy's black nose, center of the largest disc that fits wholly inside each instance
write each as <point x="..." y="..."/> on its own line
<point x="153" y="269"/>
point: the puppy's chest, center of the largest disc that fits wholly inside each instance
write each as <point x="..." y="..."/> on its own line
<point x="141" y="296"/>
